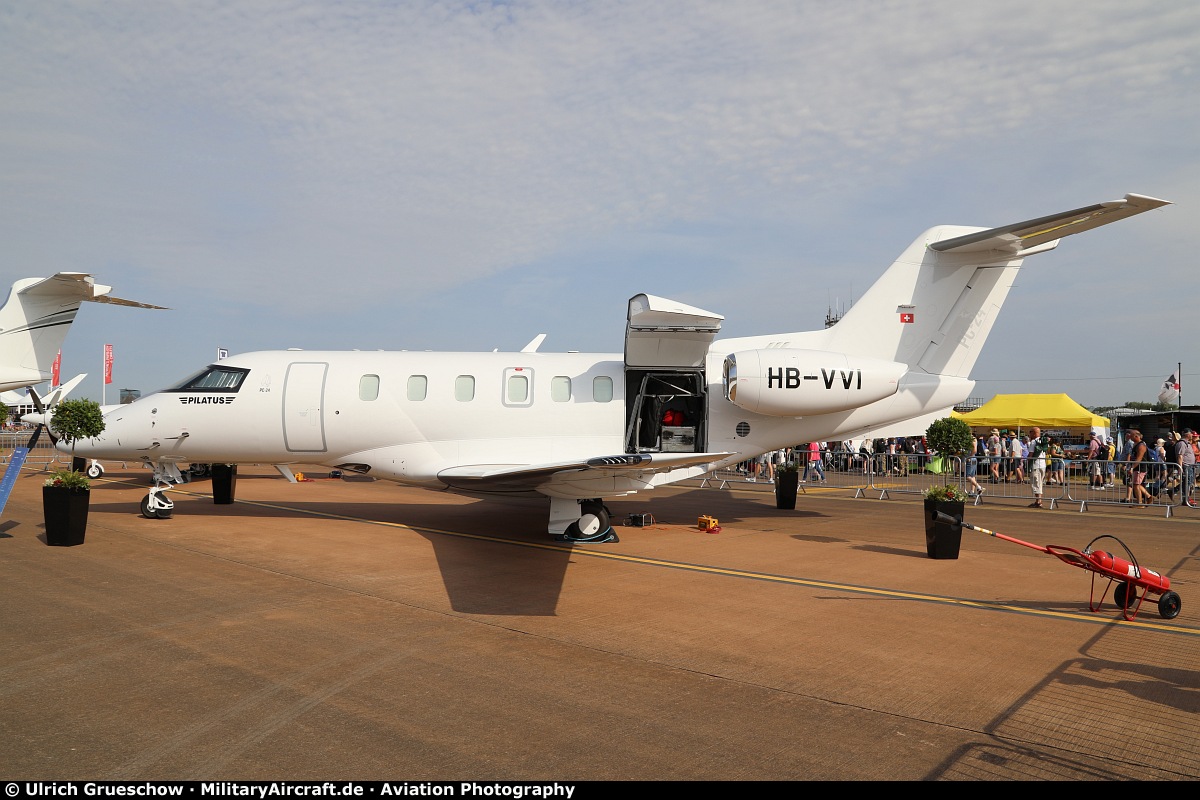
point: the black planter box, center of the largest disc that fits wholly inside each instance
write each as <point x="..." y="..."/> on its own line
<point x="786" y="485"/>
<point x="66" y="513"/>
<point x="942" y="538"/>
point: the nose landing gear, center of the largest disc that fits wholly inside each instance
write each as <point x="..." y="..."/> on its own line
<point x="156" y="504"/>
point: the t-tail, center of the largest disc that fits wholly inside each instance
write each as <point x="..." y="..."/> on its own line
<point x="35" y="319"/>
<point x="933" y="310"/>
<point x="903" y="353"/>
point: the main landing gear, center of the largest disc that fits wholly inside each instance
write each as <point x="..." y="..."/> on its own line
<point x="593" y="525"/>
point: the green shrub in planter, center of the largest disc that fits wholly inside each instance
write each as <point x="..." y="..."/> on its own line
<point x="950" y="436"/>
<point x="66" y="492"/>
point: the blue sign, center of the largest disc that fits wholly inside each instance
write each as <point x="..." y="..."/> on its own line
<point x="10" y="474"/>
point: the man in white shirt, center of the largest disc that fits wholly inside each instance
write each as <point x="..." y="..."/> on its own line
<point x="1038" y="445"/>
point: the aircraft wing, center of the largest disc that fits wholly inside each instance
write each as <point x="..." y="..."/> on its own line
<point x="1024" y="236"/>
<point x="635" y="467"/>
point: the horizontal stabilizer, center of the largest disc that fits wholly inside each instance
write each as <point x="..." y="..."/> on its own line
<point x="79" y="286"/>
<point x="1022" y="236"/>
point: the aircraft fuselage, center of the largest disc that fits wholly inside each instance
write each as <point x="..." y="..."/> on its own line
<point x="402" y="415"/>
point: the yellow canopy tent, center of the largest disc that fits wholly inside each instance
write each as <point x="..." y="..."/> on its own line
<point x="1047" y="411"/>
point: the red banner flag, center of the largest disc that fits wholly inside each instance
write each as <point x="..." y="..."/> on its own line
<point x="906" y="317"/>
<point x="55" y="369"/>
<point x="108" y="363"/>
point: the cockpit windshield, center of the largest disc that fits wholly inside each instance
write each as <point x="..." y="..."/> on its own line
<point x="213" y="378"/>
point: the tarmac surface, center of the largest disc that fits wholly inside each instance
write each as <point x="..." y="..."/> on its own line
<point x="353" y="630"/>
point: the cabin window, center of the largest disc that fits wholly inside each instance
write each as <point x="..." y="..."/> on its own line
<point x="368" y="387"/>
<point x="602" y="389"/>
<point x="560" y="388"/>
<point x="213" y="379"/>
<point x="418" y="387"/>
<point x="464" y="388"/>
<point x="518" y="389"/>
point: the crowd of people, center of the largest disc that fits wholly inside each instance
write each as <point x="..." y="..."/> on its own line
<point x="1003" y="456"/>
<point x="898" y="456"/>
<point x="810" y="457"/>
<point x="1141" y="466"/>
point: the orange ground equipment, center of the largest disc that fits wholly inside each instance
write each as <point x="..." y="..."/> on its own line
<point x="1127" y="574"/>
<point x="707" y="523"/>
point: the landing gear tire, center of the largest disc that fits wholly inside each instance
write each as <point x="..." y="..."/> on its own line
<point x="95" y="471"/>
<point x="150" y="512"/>
<point x="594" y="525"/>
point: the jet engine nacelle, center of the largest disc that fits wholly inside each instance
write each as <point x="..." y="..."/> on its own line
<point x="788" y="382"/>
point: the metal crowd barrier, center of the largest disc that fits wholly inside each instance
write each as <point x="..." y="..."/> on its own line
<point x="1067" y="481"/>
<point x="1101" y="483"/>
<point x="42" y="456"/>
<point x="835" y="473"/>
<point x="884" y="475"/>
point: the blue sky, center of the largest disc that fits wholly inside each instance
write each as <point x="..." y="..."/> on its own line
<point x="467" y="175"/>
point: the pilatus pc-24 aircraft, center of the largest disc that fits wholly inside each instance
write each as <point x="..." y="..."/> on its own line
<point x="578" y="428"/>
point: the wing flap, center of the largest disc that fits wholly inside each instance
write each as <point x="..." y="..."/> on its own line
<point x="528" y="477"/>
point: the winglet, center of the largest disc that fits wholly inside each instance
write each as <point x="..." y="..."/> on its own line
<point x="534" y="344"/>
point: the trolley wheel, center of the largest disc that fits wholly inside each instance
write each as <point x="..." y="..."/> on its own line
<point x="1119" y="595"/>
<point x="1169" y="605"/>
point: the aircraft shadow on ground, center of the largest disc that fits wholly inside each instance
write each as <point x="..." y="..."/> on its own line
<point x="477" y="579"/>
<point x="464" y="538"/>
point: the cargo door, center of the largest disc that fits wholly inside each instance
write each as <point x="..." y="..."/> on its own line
<point x="303" y="393"/>
<point x="666" y="347"/>
<point x="663" y="333"/>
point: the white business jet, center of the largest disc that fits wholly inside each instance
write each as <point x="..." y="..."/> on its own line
<point x="578" y="428"/>
<point x="34" y="321"/>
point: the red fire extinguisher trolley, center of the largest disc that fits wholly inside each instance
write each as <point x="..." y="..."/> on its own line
<point x="1127" y="574"/>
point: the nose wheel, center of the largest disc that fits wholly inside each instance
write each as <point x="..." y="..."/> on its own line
<point x="156" y="504"/>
